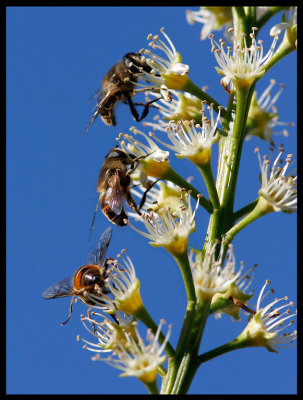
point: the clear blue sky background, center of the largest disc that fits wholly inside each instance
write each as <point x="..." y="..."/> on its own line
<point x="56" y="58"/>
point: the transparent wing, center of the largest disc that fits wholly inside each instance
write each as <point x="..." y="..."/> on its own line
<point x="99" y="94"/>
<point x="59" y="289"/>
<point x="114" y="197"/>
<point x="96" y="256"/>
<point x="91" y="121"/>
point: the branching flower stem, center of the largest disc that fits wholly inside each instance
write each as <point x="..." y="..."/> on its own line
<point x="245" y="210"/>
<point x="207" y="175"/>
<point x="152" y="387"/>
<point x="260" y="210"/>
<point x="182" y="369"/>
<point x="183" y="264"/>
<point x="229" y="161"/>
<point x="218" y="351"/>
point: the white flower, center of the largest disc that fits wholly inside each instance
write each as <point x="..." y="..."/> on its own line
<point x="209" y="275"/>
<point x="182" y="105"/>
<point x="162" y="194"/>
<point x="135" y="358"/>
<point x="106" y="332"/>
<point x="166" y="231"/>
<point x="192" y="140"/>
<point x="212" y="18"/>
<point x="153" y="160"/>
<point x="221" y="302"/>
<point x="263" y="115"/>
<point x="278" y="189"/>
<point x="241" y="65"/>
<point x="124" y="285"/>
<point x="167" y="71"/>
<point x="289" y="22"/>
<point x="265" y="327"/>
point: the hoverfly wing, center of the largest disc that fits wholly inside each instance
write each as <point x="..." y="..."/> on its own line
<point x="91" y="121"/>
<point x="59" y="289"/>
<point x="96" y="256"/>
<point x="114" y="197"/>
<point x="99" y="96"/>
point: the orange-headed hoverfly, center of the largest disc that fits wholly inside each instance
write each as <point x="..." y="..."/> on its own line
<point x="88" y="279"/>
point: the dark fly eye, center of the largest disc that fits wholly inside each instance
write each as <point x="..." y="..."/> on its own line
<point x="91" y="277"/>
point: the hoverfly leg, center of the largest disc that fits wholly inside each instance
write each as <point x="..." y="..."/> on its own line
<point x="145" y="193"/>
<point x="131" y="203"/>
<point x="133" y="110"/>
<point x="146" y="107"/>
<point x="114" y="318"/>
<point x="132" y="167"/>
<point x="70" y="311"/>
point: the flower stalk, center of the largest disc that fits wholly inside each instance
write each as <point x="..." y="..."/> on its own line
<point x="212" y="283"/>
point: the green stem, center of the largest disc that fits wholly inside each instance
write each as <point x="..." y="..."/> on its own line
<point x="260" y="210"/>
<point x="208" y="177"/>
<point x="183" y="264"/>
<point x="214" y="230"/>
<point x="218" y="351"/>
<point x="235" y="148"/>
<point x="190" y="347"/>
<point x="245" y="210"/>
<point x="152" y="387"/>
<point x="144" y="316"/>
<point x="239" y="23"/>
<point x="240" y="12"/>
<point x="181" y="377"/>
<point x="186" y="327"/>
<point x="175" y="178"/>
<point x="230" y="150"/>
<point x="169" y="379"/>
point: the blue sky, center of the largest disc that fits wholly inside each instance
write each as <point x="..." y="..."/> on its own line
<point x="56" y="57"/>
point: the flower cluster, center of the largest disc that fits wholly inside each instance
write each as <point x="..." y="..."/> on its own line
<point x="266" y="326"/>
<point x="193" y="141"/>
<point x="181" y="106"/>
<point x="189" y="123"/>
<point x="166" y="72"/>
<point x="210" y="277"/>
<point x="279" y="189"/>
<point x="168" y="230"/>
<point x="263" y="115"/>
<point x="241" y="65"/>
<point x="128" y="352"/>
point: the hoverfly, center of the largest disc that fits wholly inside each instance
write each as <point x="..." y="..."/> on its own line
<point x="114" y="186"/>
<point x="90" y="278"/>
<point x="118" y="85"/>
